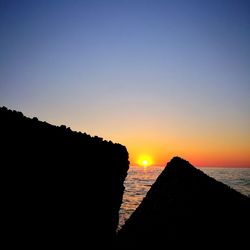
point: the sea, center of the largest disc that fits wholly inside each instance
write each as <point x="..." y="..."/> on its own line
<point x="140" y="179"/>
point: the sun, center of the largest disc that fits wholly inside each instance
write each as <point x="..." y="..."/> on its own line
<point x="145" y="161"/>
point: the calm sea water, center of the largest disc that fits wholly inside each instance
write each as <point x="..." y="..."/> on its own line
<point x="139" y="181"/>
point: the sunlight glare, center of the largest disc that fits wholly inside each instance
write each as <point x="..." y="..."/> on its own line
<point x="145" y="161"/>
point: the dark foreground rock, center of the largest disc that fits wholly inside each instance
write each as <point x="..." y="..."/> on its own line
<point x="60" y="188"/>
<point x="187" y="208"/>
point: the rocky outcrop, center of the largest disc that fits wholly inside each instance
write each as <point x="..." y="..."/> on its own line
<point x="60" y="188"/>
<point x="187" y="208"/>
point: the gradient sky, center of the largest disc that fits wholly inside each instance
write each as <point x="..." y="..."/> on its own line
<point x="164" y="78"/>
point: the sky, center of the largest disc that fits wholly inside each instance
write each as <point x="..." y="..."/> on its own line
<point x="163" y="78"/>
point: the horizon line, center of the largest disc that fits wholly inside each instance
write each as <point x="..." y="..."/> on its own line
<point x="134" y="165"/>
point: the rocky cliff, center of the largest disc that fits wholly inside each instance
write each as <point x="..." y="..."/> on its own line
<point x="60" y="188"/>
<point x="187" y="208"/>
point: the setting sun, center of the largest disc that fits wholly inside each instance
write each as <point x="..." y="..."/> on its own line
<point x="145" y="161"/>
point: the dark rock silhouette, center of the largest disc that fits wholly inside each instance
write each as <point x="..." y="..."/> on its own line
<point x="187" y="208"/>
<point x="60" y="188"/>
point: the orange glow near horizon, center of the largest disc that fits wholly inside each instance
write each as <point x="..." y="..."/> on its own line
<point x="201" y="161"/>
<point x="199" y="157"/>
<point x="202" y="146"/>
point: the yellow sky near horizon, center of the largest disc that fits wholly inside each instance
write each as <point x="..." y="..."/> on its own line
<point x="207" y="148"/>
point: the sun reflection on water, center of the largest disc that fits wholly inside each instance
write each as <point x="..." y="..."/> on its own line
<point x="137" y="184"/>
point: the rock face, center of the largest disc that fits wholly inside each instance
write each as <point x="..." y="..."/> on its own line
<point x="60" y="188"/>
<point x="185" y="207"/>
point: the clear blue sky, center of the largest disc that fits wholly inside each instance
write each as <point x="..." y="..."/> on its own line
<point x="168" y="74"/>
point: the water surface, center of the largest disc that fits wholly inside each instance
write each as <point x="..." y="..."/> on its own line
<point x="139" y="181"/>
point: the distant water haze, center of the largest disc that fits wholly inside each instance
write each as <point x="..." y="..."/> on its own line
<point x="140" y="179"/>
